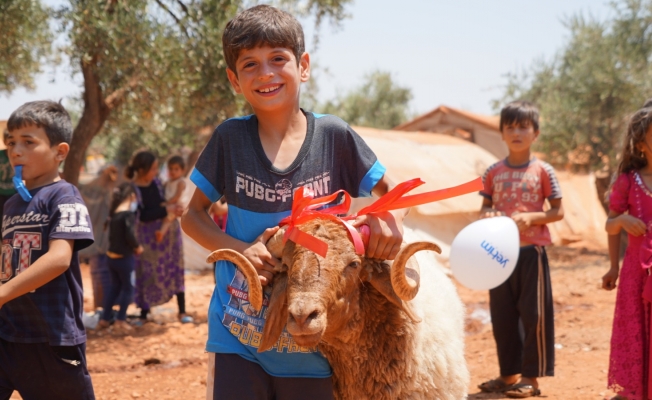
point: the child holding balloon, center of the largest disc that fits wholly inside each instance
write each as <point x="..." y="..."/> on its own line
<point x="517" y="187"/>
<point x="630" y="208"/>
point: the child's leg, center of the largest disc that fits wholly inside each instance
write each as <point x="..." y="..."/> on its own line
<point x="52" y="372"/>
<point x="113" y="292"/>
<point x="124" y="267"/>
<point x="296" y="388"/>
<point x="6" y="386"/>
<point x="505" y="323"/>
<point x="536" y="310"/>
<point x="165" y="226"/>
<point x="237" y="378"/>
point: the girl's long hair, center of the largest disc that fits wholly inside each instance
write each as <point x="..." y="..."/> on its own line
<point x="632" y="158"/>
<point x="120" y="194"/>
<point x="141" y="161"/>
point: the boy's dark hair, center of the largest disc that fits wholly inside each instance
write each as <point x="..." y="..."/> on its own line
<point x="259" y="26"/>
<point x="518" y="112"/>
<point x="177" y="160"/>
<point x="49" y="115"/>
<point x="141" y="161"/>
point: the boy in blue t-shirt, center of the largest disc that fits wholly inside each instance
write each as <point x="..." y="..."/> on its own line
<point x="256" y="162"/>
<point x="42" y="338"/>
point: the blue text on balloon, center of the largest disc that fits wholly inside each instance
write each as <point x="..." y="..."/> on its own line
<point x="494" y="253"/>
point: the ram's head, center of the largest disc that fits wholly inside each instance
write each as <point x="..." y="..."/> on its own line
<point x="319" y="298"/>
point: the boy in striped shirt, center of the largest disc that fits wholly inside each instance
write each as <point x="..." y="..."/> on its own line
<point x="518" y="187"/>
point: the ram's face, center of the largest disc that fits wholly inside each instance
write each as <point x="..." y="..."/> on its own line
<point x="322" y="293"/>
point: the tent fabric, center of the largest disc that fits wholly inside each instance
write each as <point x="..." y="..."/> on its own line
<point x="440" y="160"/>
<point x="443" y="161"/>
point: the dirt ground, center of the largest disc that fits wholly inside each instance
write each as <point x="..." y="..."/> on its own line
<point x="165" y="359"/>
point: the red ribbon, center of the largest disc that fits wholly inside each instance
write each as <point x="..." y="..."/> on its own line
<point x="304" y="207"/>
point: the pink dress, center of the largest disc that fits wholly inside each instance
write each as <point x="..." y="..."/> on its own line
<point x="628" y="363"/>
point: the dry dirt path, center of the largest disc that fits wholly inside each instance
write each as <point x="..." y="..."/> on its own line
<point x="176" y="362"/>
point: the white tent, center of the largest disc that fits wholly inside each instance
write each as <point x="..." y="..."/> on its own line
<point x="443" y="161"/>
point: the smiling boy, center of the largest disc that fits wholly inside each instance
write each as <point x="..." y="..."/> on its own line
<point x="518" y="187"/>
<point x="42" y="338"/>
<point x="256" y="162"/>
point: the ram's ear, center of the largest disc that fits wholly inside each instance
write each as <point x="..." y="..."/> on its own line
<point x="277" y="313"/>
<point x="380" y="279"/>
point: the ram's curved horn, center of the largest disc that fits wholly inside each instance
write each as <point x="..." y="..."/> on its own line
<point x="405" y="271"/>
<point x="247" y="269"/>
<point x="275" y="243"/>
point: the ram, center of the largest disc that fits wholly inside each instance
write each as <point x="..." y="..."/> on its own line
<point x="389" y="330"/>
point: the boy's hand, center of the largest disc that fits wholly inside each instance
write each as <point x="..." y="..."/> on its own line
<point x="632" y="225"/>
<point x="260" y="258"/>
<point x="491" y="214"/>
<point x="139" y="250"/>
<point x="523" y="220"/>
<point x="610" y="278"/>
<point x="385" y="233"/>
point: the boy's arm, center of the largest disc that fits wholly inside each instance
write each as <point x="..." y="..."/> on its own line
<point x="200" y="226"/>
<point x="385" y="229"/>
<point x="181" y="186"/>
<point x="50" y="265"/>
<point x="487" y="210"/>
<point x="526" y="219"/>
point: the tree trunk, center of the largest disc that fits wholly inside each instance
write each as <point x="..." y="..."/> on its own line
<point x="96" y="111"/>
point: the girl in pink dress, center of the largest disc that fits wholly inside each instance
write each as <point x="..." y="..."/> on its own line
<point x="630" y="208"/>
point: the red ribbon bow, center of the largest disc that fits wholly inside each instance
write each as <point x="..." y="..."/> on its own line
<point x="304" y="207"/>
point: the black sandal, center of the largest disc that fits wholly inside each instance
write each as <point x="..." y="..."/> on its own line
<point x="494" y="386"/>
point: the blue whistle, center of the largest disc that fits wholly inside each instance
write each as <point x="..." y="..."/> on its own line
<point x="19" y="185"/>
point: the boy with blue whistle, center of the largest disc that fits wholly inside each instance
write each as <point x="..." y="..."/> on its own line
<point x="42" y="338"/>
<point x="518" y="187"/>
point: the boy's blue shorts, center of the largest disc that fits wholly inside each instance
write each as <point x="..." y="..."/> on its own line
<point x="39" y="371"/>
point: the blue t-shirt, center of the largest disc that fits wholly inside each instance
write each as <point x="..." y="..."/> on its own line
<point x="234" y="165"/>
<point x="53" y="312"/>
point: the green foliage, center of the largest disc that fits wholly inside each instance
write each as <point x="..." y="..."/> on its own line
<point x="164" y="58"/>
<point x="378" y="103"/>
<point x="587" y="92"/>
<point x="178" y="61"/>
<point x="153" y="70"/>
<point x="24" y="42"/>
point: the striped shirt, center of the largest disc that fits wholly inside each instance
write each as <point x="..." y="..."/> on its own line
<point x="523" y="188"/>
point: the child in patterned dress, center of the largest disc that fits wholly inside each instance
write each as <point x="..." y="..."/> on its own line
<point x="630" y="208"/>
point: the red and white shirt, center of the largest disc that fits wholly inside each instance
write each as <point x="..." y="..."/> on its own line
<point x="523" y="188"/>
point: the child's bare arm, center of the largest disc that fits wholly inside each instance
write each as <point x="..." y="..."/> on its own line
<point x="181" y="186"/>
<point x="526" y="219"/>
<point x="487" y="210"/>
<point x="385" y="229"/>
<point x="200" y="226"/>
<point x="50" y="265"/>
<point x="617" y="221"/>
<point x="611" y="277"/>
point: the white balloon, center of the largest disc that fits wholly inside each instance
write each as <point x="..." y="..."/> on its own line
<point x="484" y="253"/>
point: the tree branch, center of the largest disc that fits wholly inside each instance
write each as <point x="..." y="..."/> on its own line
<point x="184" y="7"/>
<point x="114" y="99"/>
<point x="166" y="8"/>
